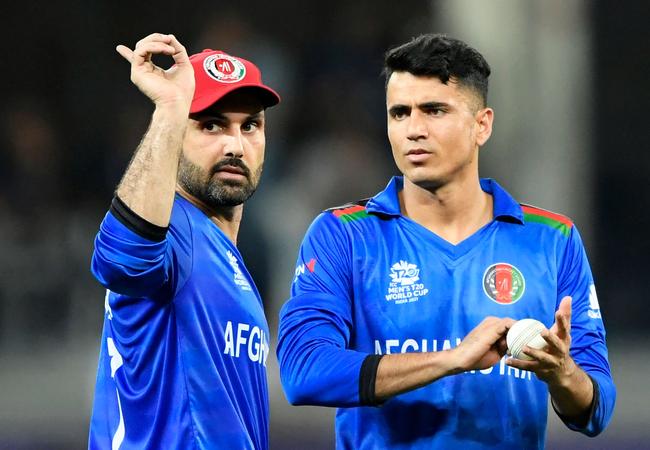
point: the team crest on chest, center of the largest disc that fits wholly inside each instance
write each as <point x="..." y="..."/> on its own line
<point x="504" y="283"/>
<point x="404" y="286"/>
<point x="239" y="278"/>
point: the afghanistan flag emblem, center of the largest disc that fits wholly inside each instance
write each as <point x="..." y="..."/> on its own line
<point x="503" y="283"/>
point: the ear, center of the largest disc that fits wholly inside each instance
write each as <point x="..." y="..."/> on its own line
<point x="484" y="118"/>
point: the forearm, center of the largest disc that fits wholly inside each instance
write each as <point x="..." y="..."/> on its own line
<point x="572" y="395"/>
<point x="321" y="374"/>
<point x="401" y="373"/>
<point x="149" y="183"/>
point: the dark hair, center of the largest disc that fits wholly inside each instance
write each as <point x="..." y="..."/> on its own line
<point x="437" y="55"/>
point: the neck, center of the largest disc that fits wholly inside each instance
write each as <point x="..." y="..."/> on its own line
<point x="453" y="211"/>
<point x="227" y="218"/>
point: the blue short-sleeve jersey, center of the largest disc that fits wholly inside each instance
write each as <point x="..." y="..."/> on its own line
<point x="371" y="281"/>
<point x="185" y="341"/>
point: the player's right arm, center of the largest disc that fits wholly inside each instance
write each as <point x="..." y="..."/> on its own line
<point x="318" y="367"/>
<point x="130" y="254"/>
<point x="149" y="183"/>
<point x="482" y="348"/>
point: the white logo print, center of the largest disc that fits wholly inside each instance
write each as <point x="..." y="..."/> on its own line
<point x="404" y="286"/>
<point x="404" y="273"/>
<point x="107" y="306"/>
<point x="116" y="362"/>
<point x="594" y="307"/>
<point x="240" y="279"/>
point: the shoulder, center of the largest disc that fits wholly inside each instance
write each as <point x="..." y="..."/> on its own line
<point x="184" y="216"/>
<point x="545" y="219"/>
<point x="349" y="212"/>
<point x="182" y="224"/>
<point x="339" y="224"/>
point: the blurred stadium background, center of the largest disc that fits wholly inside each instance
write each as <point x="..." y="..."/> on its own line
<point x="570" y="90"/>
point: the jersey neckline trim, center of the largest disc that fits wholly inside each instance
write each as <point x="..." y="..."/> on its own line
<point x="506" y="209"/>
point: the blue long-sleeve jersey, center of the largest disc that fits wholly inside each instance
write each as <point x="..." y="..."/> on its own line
<point x="185" y="341"/>
<point x="371" y="282"/>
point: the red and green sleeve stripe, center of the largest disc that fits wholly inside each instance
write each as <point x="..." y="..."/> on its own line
<point x="351" y="213"/>
<point x="551" y="219"/>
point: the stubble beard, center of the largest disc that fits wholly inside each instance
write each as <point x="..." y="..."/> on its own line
<point x="213" y="192"/>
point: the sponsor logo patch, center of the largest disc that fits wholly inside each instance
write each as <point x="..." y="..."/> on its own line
<point x="504" y="283"/>
<point x="594" y="307"/>
<point x="300" y="269"/>
<point x="224" y="68"/>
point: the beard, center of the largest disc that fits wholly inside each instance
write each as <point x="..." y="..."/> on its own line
<point x="213" y="192"/>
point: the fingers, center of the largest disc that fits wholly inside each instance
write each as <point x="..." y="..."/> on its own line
<point x="180" y="54"/>
<point x="143" y="52"/>
<point x="155" y="43"/>
<point x="155" y="37"/>
<point x="562" y="325"/>
<point x="522" y="364"/>
<point x="555" y="344"/>
<point x="492" y="325"/>
<point x="492" y="331"/>
<point x="502" y="346"/>
<point x="125" y="52"/>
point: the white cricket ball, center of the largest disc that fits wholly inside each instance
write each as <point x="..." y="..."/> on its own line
<point x="525" y="332"/>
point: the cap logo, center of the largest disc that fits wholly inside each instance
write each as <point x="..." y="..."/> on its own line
<point x="504" y="283"/>
<point x="224" y="68"/>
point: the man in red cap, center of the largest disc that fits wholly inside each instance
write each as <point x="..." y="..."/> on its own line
<point x="185" y="340"/>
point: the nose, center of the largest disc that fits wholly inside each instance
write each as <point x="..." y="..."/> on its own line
<point x="235" y="145"/>
<point x="417" y="128"/>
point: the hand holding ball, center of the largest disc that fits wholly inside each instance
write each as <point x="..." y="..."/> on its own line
<point x="525" y="332"/>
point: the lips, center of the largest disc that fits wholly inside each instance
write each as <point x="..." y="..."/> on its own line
<point x="417" y="155"/>
<point x="417" y="151"/>
<point x="232" y="169"/>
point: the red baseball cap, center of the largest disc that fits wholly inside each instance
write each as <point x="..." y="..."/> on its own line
<point x="217" y="73"/>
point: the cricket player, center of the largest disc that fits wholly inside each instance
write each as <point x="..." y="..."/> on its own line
<point x="401" y="302"/>
<point x="185" y="340"/>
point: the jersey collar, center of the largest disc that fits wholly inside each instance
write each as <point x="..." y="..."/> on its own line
<point x="506" y="209"/>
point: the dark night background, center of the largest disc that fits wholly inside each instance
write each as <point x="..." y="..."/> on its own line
<point x="70" y="120"/>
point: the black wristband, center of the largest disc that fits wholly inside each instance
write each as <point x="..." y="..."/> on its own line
<point x="135" y="223"/>
<point x="367" y="379"/>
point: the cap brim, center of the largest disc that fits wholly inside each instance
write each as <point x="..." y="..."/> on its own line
<point x="267" y="96"/>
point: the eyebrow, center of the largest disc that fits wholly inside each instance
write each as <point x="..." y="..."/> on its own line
<point x="255" y="116"/>
<point x="433" y="105"/>
<point x="422" y="106"/>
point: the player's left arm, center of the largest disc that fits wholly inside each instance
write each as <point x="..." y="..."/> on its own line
<point x="571" y="389"/>
<point x="574" y="364"/>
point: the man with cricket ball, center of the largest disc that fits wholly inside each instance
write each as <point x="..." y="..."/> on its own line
<point x="411" y="293"/>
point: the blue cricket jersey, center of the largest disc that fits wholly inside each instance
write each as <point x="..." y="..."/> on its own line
<point x="371" y="282"/>
<point x="185" y="340"/>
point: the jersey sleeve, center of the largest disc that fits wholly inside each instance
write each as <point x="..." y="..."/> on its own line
<point x="135" y="258"/>
<point x="588" y="347"/>
<point x="316" y="366"/>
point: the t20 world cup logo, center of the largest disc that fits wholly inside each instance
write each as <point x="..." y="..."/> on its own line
<point x="404" y="273"/>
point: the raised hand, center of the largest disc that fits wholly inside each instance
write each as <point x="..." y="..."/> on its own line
<point x="172" y="87"/>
